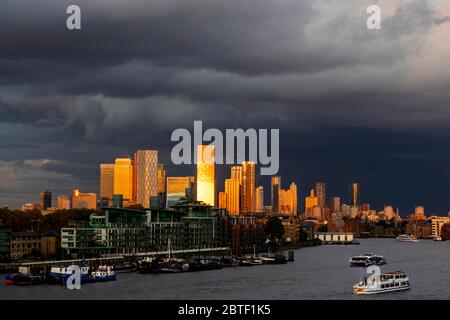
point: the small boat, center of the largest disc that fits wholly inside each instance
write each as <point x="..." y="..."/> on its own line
<point x="366" y="260"/>
<point x="250" y="261"/>
<point x="174" y="266"/>
<point x="125" y="267"/>
<point x="202" y="264"/>
<point x="385" y="282"/>
<point x="437" y="238"/>
<point x="149" y="265"/>
<point x="276" y="259"/>
<point x="406" y="238"/>
<point x="23" y="277"/>
<point x="229" y="261"/>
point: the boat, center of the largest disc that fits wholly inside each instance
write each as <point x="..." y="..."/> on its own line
<point x="366" y="260"/>
<point x="149" y="265"/>
<point x="278" y="258"/>
<point x="125" y="267"/>
<point x="203" y="263"/>
<point x="437" y="238"/>
<point x="229" y="261"/>
<point x="170" y="264"/>
<point x="174" y="266"/>
<point x="406" y="238"/>
<point x="385" y="282"/>
<point x="60" y="274"/>
<point x="23" y="277"/>
<point x="250" y="261"/>
<point x="104" y="273"/>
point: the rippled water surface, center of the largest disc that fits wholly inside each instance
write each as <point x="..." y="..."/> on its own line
<point x="317" y="273"/>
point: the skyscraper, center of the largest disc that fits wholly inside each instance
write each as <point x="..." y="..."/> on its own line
<point x="206" y="174"/>
<point x="248" y="187"/>
<point x="288" y="200"/>
<point x="353" y="194"/>
<point x="45" y="198"/>
<point x="232" y="192"/>
<point x="123" y="178"/>
<point x="161" y="178"/>
<point x="107" y="181"/>
<point x="335" y="205"/>
<point x="146" y="167"/>
<point x="293" y="198"/>
<point x="236" y="173"/>
<point x="310" y="203"/>
<point x="63" y="203"/>
<point x="276" y="186"/>
<point x="259" y="203"/>
<point x="222" y="200"/>
<point x="320" y="194"/>
<point x="176" y="189"/>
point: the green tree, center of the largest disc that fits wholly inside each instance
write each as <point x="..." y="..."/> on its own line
<point x="274" y="229"/>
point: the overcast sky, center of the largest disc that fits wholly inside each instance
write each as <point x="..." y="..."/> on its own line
<point x="351" y="104"/>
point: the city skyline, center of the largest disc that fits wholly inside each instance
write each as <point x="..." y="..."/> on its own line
<point x="287" y="203"/>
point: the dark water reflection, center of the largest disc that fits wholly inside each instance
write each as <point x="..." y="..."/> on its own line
<point x="317" y="273"/>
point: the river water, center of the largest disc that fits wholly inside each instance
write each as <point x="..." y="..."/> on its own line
<point x="319" y="272"/>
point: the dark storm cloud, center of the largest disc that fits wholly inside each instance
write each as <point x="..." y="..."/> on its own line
<point x="344" y="96"/>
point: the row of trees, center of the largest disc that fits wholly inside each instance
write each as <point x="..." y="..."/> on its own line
<point x="34" y="220"/>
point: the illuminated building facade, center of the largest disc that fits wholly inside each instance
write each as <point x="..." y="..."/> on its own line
<point x="336" y="205"/>
<point x="222" y="200"/>
<point x="293" y="198"/>
<point x="123" y="178"/>
<point x="236" y="173"/>
<point x="107" y="181"/>
<point x="146" y="170"/>
<point x="84" y="200"/>
<point x="276" y="185"/>
<point x="419" y="213"/>
<point x="310" y="203"/>
<point x="232" y="192"/>
<point x="353" y="194"/>
<point x="437" y="223"/>
<point x="248" y="187"/>
<point x="176" y="189"/>
<point x="320" y="194"/>
<point x="63" y="203"/>
<point x="161" y="178"/>
<point x="259" y="202"/>
<point x="206" y="174"/>
<point x="288" y="200"/>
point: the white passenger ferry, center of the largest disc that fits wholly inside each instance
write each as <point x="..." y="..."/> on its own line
<point x="406" y="238"/>
<point x="385" y="282"/>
